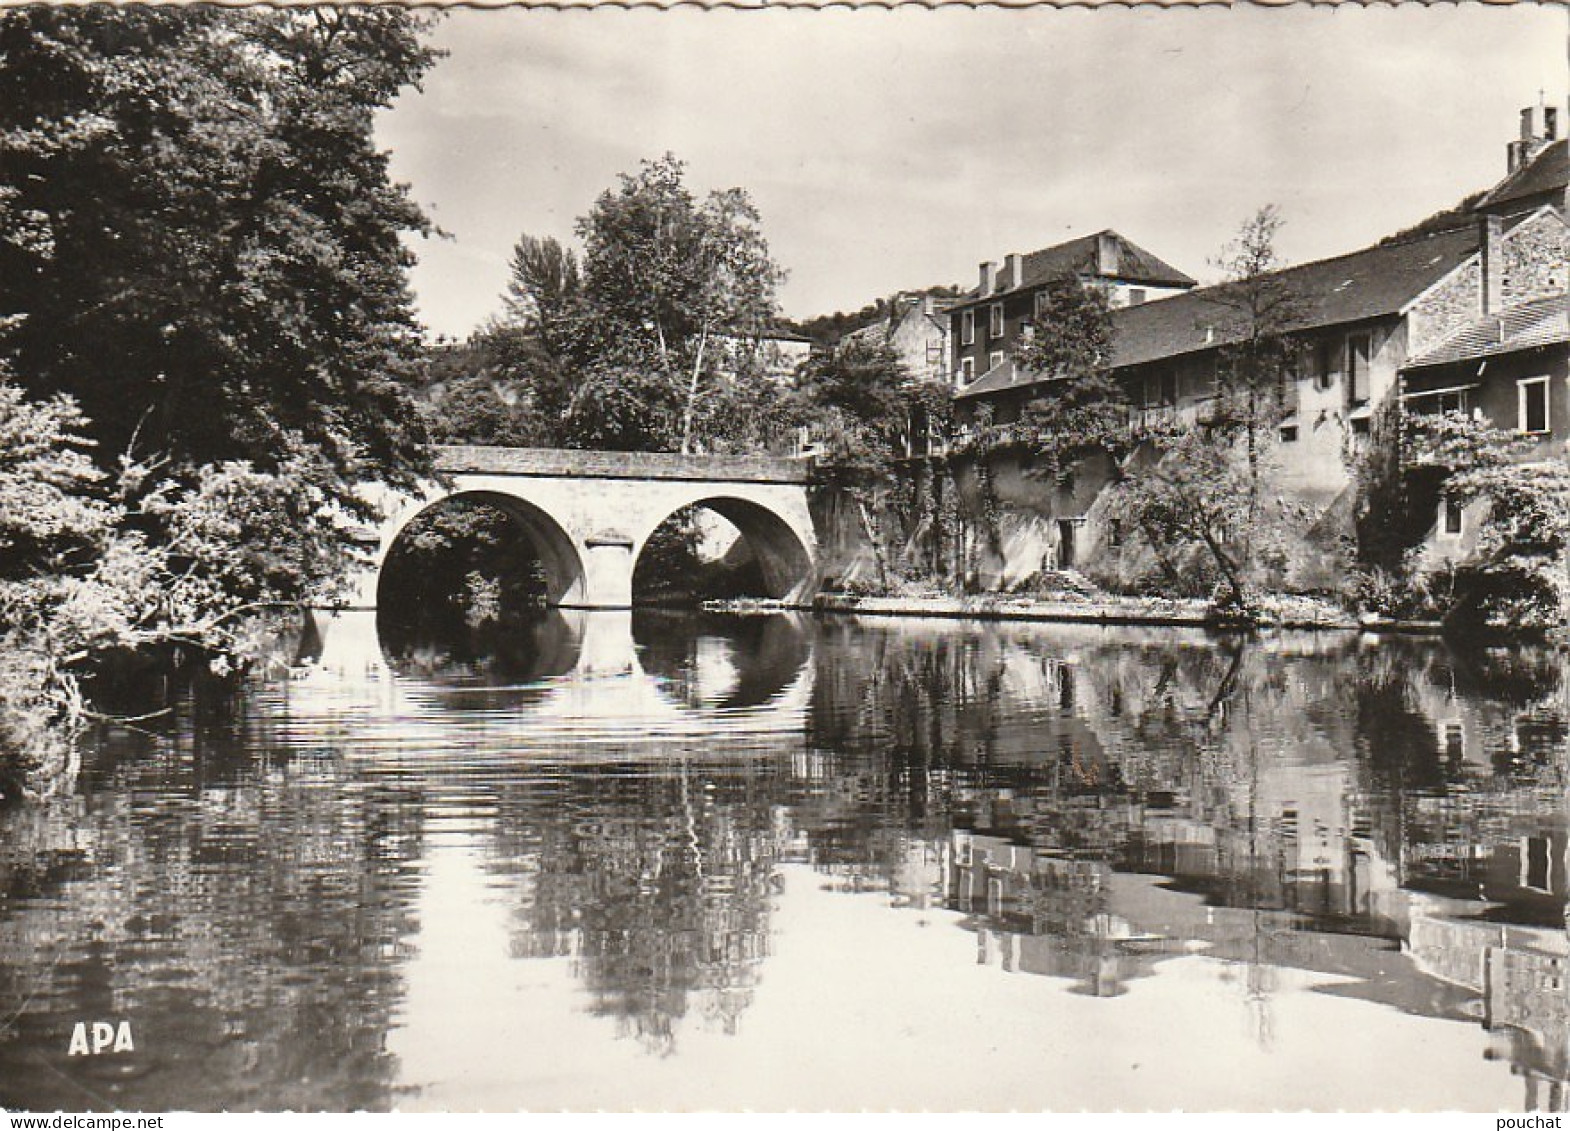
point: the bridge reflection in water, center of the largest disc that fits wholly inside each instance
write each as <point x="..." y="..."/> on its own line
<point x="587" y="676"/>
<point x="629" y="862"/>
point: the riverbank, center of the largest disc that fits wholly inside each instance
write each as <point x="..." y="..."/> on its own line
<point x="1275" y="612"/>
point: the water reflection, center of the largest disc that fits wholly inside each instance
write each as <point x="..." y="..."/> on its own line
<point x="631" y="861"/>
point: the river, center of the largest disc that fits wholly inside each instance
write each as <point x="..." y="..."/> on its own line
<point x="670" y="861"/>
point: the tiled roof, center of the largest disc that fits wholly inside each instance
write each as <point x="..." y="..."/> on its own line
<point x="1004" y="375"/>
<point x="1373" y="283"/>
<point x="1528" y="325"/>
<point x="1080" y="257"/>
<point x="1545" y="173"/>
<point x="874" y="333"/>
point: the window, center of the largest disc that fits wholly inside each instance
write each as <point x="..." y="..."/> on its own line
<point x="1358" y="351"/>
<point x="994" y="359"/>
<point x="1536" y="863"/>
<point x="995" y="320"/>
<point x="967" y="327"/>
<point x="1041" y="304"/>
<point x="1289" y="433"/>
<point x="1452" y="515"/>
<point x="1323" y="366"/>
<point x="967" y="370"/>
<point x="1160" y="388"/>
<point x="1532" y="394"/>
<point x="1433" y="402"/>
<point x="1136" y="296"/>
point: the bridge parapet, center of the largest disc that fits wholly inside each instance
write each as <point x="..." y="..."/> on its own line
<point x="474" y="459"/>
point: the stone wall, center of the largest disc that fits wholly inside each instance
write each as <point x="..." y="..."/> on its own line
<point x="1536" y="253"/>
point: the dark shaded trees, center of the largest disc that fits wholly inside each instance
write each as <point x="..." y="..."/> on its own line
<point x="199" y="240"/>
<point x="205" y="333"/>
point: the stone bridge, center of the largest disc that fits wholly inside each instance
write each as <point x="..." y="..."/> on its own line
<point x="589" y="514"/>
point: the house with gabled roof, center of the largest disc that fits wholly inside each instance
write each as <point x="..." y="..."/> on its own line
<point x="987" y="323"/>
<point x="917" y="328"/>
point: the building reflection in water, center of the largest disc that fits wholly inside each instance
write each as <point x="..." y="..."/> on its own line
<point x="1392" y="813"/>
<point x="1090" y="803"/>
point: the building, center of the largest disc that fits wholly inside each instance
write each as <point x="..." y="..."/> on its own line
<point x="917" y="328"/>
<point x="1472" y="313"/>
<point x="1536" y="165"/>
<point x="986" y="324"/>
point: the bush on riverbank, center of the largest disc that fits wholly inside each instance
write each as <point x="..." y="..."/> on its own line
<point x="169" y="562"/>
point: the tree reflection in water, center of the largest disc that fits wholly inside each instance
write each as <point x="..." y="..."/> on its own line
<point x="1090" y="803"/>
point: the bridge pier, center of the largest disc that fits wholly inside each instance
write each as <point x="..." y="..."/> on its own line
<point x="607" y="566"/>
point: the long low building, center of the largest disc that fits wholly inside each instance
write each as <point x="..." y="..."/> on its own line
<point x="1467" y="311"/>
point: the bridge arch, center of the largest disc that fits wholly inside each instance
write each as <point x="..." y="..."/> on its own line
<point x="558" y="555"/>
<point x="783" y="552"/>
<point x="590" y="514"/>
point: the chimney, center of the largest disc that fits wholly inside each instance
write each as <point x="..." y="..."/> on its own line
<point x="1013" y="271"/>
<point x="1106" y="254"/>
<point x="1539" y="127"/>
<point x="1491" y="252"/>
<point x="989" y="277"/>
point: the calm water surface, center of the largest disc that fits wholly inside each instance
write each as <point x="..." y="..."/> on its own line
<point x="681" y="861"/>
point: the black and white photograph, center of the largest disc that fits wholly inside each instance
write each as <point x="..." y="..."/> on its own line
<point x="779" y="557"/>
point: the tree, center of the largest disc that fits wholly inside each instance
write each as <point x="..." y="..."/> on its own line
<point x="1205" y="485"/>
<point x="663" y="279"/>
<point x="94" y="566"/>
<point x="199" y="240"/>
<point x="500" y="386"/>
<point x="1256" y="368"/>
<point x="856" y="402"/>
<point x="1195" y="492"/>
<point x="1082" y="410"/>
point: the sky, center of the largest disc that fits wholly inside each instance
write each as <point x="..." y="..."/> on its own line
<point x="891" y="150"/>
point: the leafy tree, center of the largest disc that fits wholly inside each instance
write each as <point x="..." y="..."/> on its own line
<point x="663" y="279"/>
<point x="856" y="402"/>
<point x="501" y="386"/>
<point x="1196" y="493"/>
<point x="1206" y="485"/>
<point x="199" y="240"/>
<point x="94" y="566"/>
<point x="1082" y="410"/>
<point x="202" y="287"/>
<point x="1256" y="369"/>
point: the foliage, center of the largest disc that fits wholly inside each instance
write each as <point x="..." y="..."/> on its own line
<point x="1516" y="575"/>
<point x="1194" y="494"/>
<point x="95" y="566"/>
<point x="1255" y="372"/>
<point x="203" y="292"/>
<point x="1082" y="410"/>
<point x="196" y="194"/>
<point x="1208" y="485"/>
<point x="856" y="400"/>
<point x="502" y="578"/>
<point x="649" y="319"/>
<point x="830" y="329"/>
<point x="1071" y="333"/>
